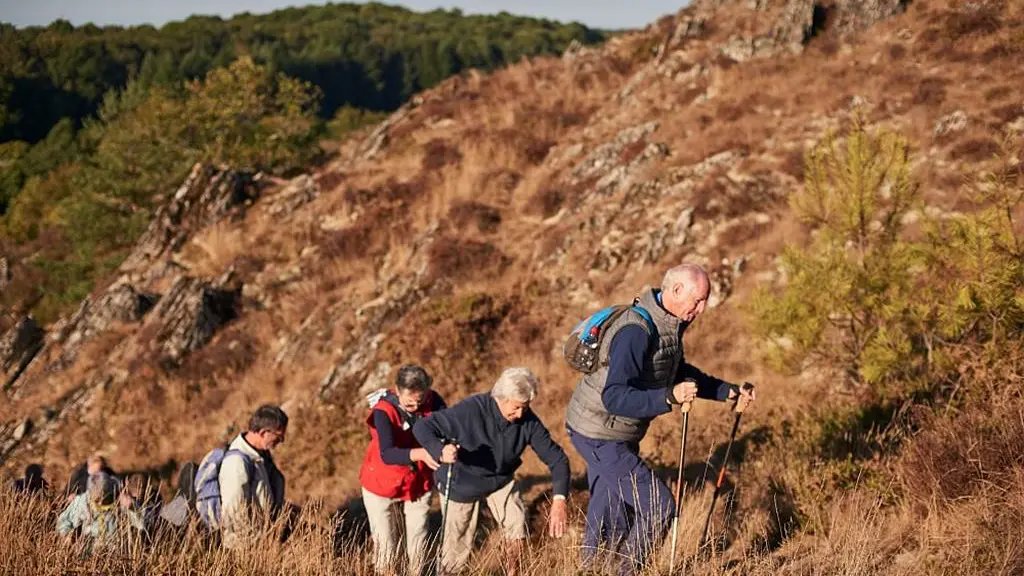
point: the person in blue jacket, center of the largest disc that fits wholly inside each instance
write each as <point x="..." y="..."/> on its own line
<point x="642" y="374"/>
<point x="480" y="441"/>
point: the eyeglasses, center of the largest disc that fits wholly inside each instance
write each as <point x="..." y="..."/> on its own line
<point x="277" y="435"/>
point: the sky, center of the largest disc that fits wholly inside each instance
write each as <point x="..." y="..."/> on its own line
<point x="608" y="14"/>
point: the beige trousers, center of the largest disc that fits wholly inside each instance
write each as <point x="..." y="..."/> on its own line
<point x="383" y="515"/>
<point x="505" y="504"/>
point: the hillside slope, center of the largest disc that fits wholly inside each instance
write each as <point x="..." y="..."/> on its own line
<point x="471" y="230"/>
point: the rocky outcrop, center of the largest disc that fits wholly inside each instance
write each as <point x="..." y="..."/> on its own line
<point x="378" y="140"/>
<point x="955" y="121"/>
<point x="608" y="167"/>
<point x="120" y="303"/>
<point x="794" y="25"/>
<point x="5" y="273"/>
<point x="17" y="349"/>
<point x="206" y="196"/>
<point x="297" y="192"/>
<point x="191" y="313"/>
<point x="193" y="309"/>
<point x="848" y="16"/>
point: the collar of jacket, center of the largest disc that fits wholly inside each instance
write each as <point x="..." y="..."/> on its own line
<point x="503" y="423"/>
<point x="242" y="445"/>
<point x="650" y="298"/>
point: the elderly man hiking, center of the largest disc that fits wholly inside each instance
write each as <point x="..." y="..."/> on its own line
<point x="479" y="442"/>
<point x="397" y="474"/>
<point x="239" y="489"/>
<point x="640" y="374"/>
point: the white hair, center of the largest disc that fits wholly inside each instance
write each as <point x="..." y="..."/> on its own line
<point x="518" y="384"/>
<point x="690" y="275"/>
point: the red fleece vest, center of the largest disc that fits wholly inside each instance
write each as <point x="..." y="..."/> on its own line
<point x="403" y="482"/>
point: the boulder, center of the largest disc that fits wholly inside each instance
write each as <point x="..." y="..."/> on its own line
<point x="18" y="347"/>
<point x="189" y="315"/>
<point x="120" y="303"/>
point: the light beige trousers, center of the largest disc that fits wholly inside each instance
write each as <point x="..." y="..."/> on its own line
<point x="505" y="504"/>
<point x="383" y="514"/>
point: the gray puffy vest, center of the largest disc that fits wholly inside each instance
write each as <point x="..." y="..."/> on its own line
<point x="586" y="413"/>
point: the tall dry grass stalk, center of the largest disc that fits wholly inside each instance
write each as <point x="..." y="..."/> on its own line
<point x="30" y="545"/>
<point x="855" y="535"/>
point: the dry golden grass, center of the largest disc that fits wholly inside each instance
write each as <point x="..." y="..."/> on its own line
<point x="853" y="536"/>
<point x="213" y="250"/>
<point x="483" y="160"/>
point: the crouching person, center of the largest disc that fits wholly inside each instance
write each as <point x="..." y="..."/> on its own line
<point x="103" y="515"/>
<point x="248" y="493"/>
<point x="396" y="475"/>
<point x="479" y="442"/>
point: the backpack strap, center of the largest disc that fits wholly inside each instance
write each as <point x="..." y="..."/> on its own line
<point x="652" y="328"/>
<point x="599" y="318"/>
<point x="408" y="418"/>
<point x="250" y="466"/>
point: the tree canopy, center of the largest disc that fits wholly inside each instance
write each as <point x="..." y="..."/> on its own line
<point x="91" y="118"/>
<point x="369" y="56"/>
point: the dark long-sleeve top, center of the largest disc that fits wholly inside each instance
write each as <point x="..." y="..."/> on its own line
<point x="622" y="397"/>
<point x="389" y="452"/>
<point x="489" y="447"/>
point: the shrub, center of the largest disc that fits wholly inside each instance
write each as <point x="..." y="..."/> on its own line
<point x="849" y="298"/>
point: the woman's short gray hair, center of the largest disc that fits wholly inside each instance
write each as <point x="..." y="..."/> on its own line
<point x="518" y="384"/>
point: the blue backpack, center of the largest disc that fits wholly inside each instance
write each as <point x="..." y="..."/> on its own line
<point x="207" y="484"/>
<point x="583" y="345"/>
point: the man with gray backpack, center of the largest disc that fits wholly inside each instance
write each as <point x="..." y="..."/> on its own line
<point x="239" y="489"/>
<point x="633" y="370"/>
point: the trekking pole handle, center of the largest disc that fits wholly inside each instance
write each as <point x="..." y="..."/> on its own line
<point x="739" y="406"/>
<point x="685" y="407"/>
<point x="450" y="442"/>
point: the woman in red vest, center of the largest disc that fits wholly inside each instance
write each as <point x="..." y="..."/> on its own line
<point x="397" y="469"/>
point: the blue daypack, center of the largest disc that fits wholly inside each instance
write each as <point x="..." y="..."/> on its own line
<point x="583" y="345"/>
<point x="207" y="484"/>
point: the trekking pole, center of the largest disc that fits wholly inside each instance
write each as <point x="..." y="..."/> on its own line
<point x="444" y="514"/>
<point x="680" y="489"/>
<point x="725" y="461"/>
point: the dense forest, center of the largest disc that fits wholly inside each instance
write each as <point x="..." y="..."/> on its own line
<point x="91" y="118"/>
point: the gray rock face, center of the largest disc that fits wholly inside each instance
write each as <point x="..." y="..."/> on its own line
<point x="853" y="15"/>
<point x="299" y="191"/>
<point x="206" y="196"/>
<point x="953" y="122"/>
<point x="5" y="273"/>
<point x="377" y="141"/>
<point x="17" y="349"/>
<point x="799" y="20"/>
<point x="120" y="303"/>
<point x="191" y="313"/>
<point x="606" y="156"/>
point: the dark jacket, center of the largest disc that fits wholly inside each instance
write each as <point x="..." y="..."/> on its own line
<point x="489" y="447"/>
<point x="625" y="362"/>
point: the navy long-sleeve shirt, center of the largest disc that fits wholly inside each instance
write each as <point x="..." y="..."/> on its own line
<point x="390" y="453"/>
<point x="489" y="447"/>
<point x="622" y="397"/>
